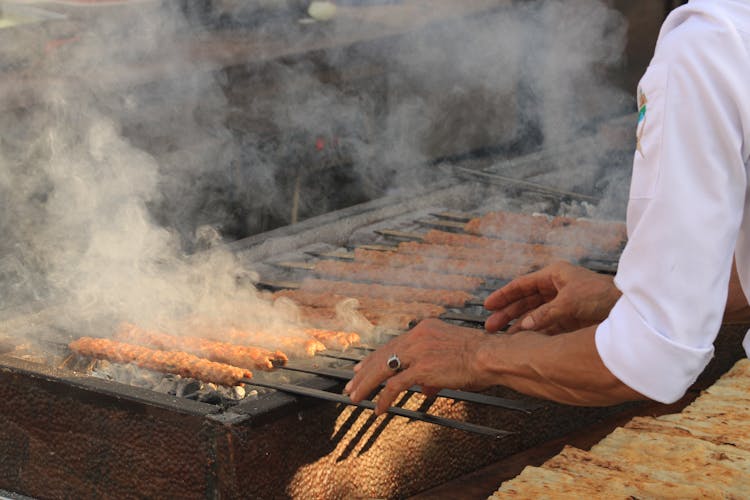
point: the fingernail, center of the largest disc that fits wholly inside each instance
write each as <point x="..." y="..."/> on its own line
<point x="527" y="323"/>
<point x="347" y="387"/>
<point x="357" y="366"/>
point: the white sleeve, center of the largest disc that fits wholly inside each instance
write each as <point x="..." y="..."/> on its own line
<point x="685" y="208"/>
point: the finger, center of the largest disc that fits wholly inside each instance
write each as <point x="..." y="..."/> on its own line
<point x="363" y="372"/>
<point x="541" y="318"/>
<point x="395" y="386"/>
<point x="430" y="392"/>
<point x="500" y="318"/>
<point x="373" y="371"/>
<point x="514" y="291"/>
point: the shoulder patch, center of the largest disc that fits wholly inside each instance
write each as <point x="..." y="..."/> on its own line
<point x="642" y="108"/>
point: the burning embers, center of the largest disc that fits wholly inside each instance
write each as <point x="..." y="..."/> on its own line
<point x="175" y="362"/>
<point x="226" y="363"/>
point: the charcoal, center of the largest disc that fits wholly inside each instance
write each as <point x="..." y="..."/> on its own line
<point x="211" y="397"/>
<point x="189" y="388"/>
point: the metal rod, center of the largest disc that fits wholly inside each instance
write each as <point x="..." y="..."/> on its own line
<point x="528" y="184"/>
<point x="349" y="257"/>
<point x="364" y="348"/>
<point x="448" y="225"/>
<point x="370" y="405"/>
<point x="598" y="263"/>
<point x="278" y="285"/>
<point x="379" y="248"/>
<point x="293" y="285"/>
<point x="469" y="397"/>
<point x="454" y="216"/>
<point x="341" y="356"/>
<point x="403" y="235"/>
<point x="310" y="266"/>
<point x="468" y="318"/>
<point x="306" y="266"/>
<point x="338" y="254"/>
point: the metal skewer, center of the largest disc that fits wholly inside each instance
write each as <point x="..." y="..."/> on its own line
<point x="338" y="254"/>
<point x="294" y="285"/>
<point x="603" y="262"/>
<point x="469" y="397"/>
<point x="528" y="184"/>
<point x="454" y="216"/>
<point x="341" y="356"/>
<point x="278" y="285"/>
<point x="413" y="415"/>
<point x="311" y="266"/>
<point x="400" y="235"/>
<point x="379" y="248"/>
<point x="447" y="225"/>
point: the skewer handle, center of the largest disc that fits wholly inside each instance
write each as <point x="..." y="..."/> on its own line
<point x="469" y="397"/>
<point x="307" y="266"/>
<point x="403" y="235"/>
<point x="370" y="405"/>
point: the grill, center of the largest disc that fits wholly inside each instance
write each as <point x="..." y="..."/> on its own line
<point x="66" y="433"/>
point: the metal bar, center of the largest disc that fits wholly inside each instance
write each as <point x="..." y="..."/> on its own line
<point x="454" y="216"/>
<point x="363" y="348"/>
<point x="533" y="185"/>
<point x="310" y="266"/>
<point x="379" y="248"/>
<point x="341" y="356"/>
<point x="306" y="266"/>
<point x="442" y="224"/>
<point x="599" y="264"/>
<point x="370" y="405"/>
<point x="469" y="397"/>
<point x="293" y="285"/>
<point x="278" y="285"/>
<point x="349" y="257"/>
<point x="468" y="318"/>
<point x="403" y="235"/>
<point x="338" y="254"/>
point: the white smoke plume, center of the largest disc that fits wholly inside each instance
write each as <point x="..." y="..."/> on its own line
<point x="109" y="175"/>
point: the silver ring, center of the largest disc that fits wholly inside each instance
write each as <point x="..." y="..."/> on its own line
<point x="394" y="363"/>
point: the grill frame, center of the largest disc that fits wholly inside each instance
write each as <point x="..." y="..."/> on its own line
<point x="82" y="436"/>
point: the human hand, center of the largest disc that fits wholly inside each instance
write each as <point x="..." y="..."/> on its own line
<point x="559" y="298"/>
<point x="434" y="355"/>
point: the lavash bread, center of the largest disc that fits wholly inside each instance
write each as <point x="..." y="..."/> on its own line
<point x="703" y="452"/>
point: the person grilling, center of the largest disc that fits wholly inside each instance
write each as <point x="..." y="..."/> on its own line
<point x="587" y="339"/>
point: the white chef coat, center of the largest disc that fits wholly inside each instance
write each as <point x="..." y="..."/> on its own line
<point x="689" y="209"/>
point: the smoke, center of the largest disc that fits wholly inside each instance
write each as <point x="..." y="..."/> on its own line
<point x="124" y="163"/>
<point x="574" y="44"/>
<point x="85" y="198"/>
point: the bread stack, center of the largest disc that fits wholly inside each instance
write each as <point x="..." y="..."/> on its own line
<point x="702" y="452"/>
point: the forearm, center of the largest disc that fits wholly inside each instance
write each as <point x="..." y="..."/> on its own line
<point x="565" y="368"/>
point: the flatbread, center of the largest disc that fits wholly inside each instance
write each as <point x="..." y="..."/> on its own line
<point x="703" y="452"/>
